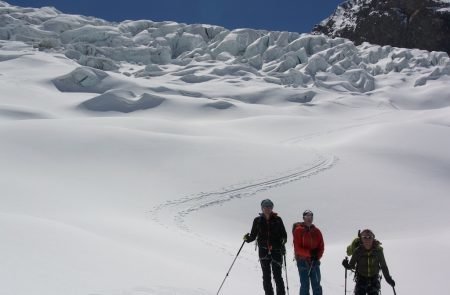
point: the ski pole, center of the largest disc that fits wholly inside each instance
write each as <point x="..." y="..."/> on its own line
<point x="393" y="288"/>
<point x="231" y="267"/>
<point x="285" y="270"/>
<point x="345" y="290"/>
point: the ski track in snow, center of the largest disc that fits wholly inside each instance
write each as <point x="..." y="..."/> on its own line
<point x="365" y="122"/>
<point x="174" y="213"/>
<point x="178" y="210"/>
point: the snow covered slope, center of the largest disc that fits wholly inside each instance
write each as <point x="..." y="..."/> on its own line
<point x="134" y="156"/>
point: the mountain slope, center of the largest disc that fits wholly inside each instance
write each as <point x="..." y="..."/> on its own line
<point x="134" y="156"/>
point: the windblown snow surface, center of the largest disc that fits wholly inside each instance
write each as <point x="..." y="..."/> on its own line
<point x="134" y="155"/>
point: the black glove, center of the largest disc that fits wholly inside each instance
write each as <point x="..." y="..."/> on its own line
<point x="247" y="237"/>
<point x="390" y="281"/>
<point x="345" y="263"/>
<point x="283" y="249"/>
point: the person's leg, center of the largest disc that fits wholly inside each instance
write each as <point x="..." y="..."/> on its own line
<point x="303" y="268"/>
<point x="374" y="287"/>
<point x="265" y="261"/>
<point x="277" y="266"/>
<point x="361" y="286"/>
<point x="315" y="278"/>
<point x="267" y="277"/>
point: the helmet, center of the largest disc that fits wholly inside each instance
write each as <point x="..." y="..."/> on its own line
<point x="266" y="203"/>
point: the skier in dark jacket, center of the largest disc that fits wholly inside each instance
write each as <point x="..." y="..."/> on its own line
<point x="269" y="231"/>
<point x="368" y="259"/>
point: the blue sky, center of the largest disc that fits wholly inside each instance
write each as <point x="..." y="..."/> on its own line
<point x="274" y="15"/>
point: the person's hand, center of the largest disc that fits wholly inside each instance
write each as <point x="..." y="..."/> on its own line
<point x="247" y="237"/>
<point x="390" y="281"/>
<point x="283" y="249"/>
<point x="345" y="263"/>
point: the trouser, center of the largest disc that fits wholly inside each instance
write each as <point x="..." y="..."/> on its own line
<point x="272" y="262"/>
<point x="309" y="273"/>
<point x="367" y="286"/>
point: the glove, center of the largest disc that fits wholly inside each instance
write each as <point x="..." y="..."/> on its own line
<point x="283" y="250"/>
<point x="247" y="237"/>
<point x="390" y="281"/>
<point x="345" y="264"/>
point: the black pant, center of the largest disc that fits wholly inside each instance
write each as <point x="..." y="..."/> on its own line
<point x="367" y="286"/>
<point x="272" y="262"/>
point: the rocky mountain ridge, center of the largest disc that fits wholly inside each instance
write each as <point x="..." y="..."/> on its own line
<point x="423" y="24"/>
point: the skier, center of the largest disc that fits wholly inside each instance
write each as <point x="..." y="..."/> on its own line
<point x="309" y="248"/>
<point x="269" y="231"/>
<point x="367" y="259"/>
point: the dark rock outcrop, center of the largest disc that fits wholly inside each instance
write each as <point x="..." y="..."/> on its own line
<point x="423" y="24"/>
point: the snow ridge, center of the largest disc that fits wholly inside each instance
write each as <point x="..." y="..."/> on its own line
<point x="284" y="58"/>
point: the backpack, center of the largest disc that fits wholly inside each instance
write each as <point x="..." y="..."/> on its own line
<point x="295" y="225"/>
<point x="353" y="246"/>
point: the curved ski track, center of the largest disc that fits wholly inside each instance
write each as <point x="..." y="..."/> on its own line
<point x="176" y="211"/>
<point x="179" y="209"/>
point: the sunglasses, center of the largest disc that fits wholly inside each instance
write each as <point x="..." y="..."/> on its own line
<point x="367" y="237"/>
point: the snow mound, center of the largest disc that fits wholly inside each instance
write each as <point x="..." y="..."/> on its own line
<point x="84" y="79"/>
<point x="6" y="57"/>
<point x="234" y="70"/>
<point x="436" y="74"/>
<point x="302" y="97"/>
<point x="220" y="105"/>
<point x="192" y="78"/>
<point x="16" y="113"/>
<point x="122" y="101"/>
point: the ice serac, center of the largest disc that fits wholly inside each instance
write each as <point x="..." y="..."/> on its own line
<point x="284" y="58"/>
<point x="85" y="79"/>
<point x="122" y="102"/>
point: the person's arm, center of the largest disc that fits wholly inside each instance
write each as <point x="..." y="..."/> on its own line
<point x="297" y="242"/>
<point x="283" y="232"/>
<point x="353" y="260"/>
<point x="253" y="233"/>
<point x="384" y="268"/>
<point x="321" y="247"/>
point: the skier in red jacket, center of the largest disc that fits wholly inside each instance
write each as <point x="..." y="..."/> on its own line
<point x="309" y="248"/>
